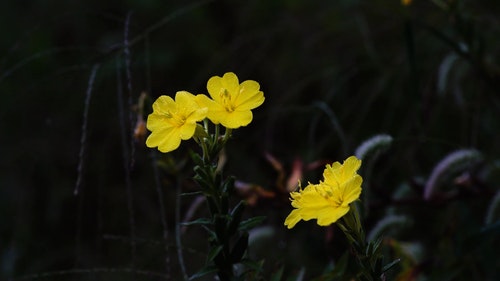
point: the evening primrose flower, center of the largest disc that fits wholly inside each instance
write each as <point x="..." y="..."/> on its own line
<point x="173" y="121"/>
<point x="231" y="102"/>
<point x="329" y="200"/>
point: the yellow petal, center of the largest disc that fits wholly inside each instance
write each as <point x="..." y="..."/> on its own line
<point x="248" y="100"/>
<point x="329" y="200"/>
<point x="217" y="85"/>
<point x="189" y="106"/>
<point x="231" y="83"/>
<point x="351" y="190"/>
<point x="234" y="119"/>
<point x="156" y="121"/>
<point x="166" y="140"/>
<point x="187" y="131"/>
<point x="250" y="97"/>
<point x="310" y="203"/>
<point x="197" y="111"/>
<point x="186" y="100"/>
<point x="214" y="85"/>
<point x="351" y="165"/>
<point x="331" y="174"/>
<point x="293" y="218"/>
<point x="329" y="216"/>
<point x="197" y="115"/>
<point x="163" y="105"/>
<point x="249" y="86"/>
<point x="337" y="173"/>
<point x="204" y="101"/>
<point x="215" y="111"/>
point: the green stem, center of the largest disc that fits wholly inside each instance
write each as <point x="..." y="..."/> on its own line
<point x="217" y="130"/>
<point x="216" y="197"/>
<point x="227" y="135"/>
<point x="366" y="253"/>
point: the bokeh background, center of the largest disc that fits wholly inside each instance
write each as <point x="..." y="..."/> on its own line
<point x="334" y="73"/>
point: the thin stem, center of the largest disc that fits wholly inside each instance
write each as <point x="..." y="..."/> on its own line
<point x="178" y="240"/>
<point x="216" y="198"/>
<point x="126" y="162"/>
<point x="227" y="135"/>
<point x="217" y="130"/>
<point x="163" y="217"/>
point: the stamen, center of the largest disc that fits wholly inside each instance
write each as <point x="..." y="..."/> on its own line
<point x="225" y="97"/>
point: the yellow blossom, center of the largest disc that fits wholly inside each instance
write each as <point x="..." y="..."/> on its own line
<point x="231" y="102"/>
<point x="329" y="200"/>
<point x="173" y="121"/>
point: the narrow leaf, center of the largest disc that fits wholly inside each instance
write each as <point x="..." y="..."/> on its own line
<point x="236" y="214"/>
<point x="202" y="221"/>
<point x="390" y="265"/>
<point x="228" y="185"/>
<point x="195" y="193"/>
<point x="204" y="271"/>
<point x="220" y="228"/>
<point x="276" y="276"/>
<point x="239" y="248"/>
<point x="250" y="223"/>
<point x="213" y="253"/>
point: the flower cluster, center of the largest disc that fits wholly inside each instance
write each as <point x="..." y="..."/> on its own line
<point x="230" y="104"/>
<point x="329" y="200"/>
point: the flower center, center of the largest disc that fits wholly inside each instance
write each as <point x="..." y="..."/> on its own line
<point x="225" y="98"/>
<point x="176" y="119"/>
<point x="330" y="195"/>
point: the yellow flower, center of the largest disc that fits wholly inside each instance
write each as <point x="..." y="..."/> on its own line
<point x="231" y="102"/>
<point x="406" y="2"/>
<point x="329" y="200"/>
<point x="173" y="121"/>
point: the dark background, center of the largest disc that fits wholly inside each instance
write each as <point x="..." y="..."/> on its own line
<point x="334" y="73"/>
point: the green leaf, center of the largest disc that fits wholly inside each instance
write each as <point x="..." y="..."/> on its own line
<point x="204" y="271"/>
<point x="493" y="213"/>
<point x="212" y="205"/>
<point x="376" y="263"/>
<point x="251" y="223"/>
<point x="276" y="276"/>
<point x="389" y="222"/>
<point x="347" y="233"/>
<point x="493" y="229"/>
<point x="224" y="203"/>
<point x="202" y="172"/>
<point x="217" y="179"/>
<point x="390" y="265"/>
<point x="200" y="132"/>
<point x="339" y="270"/>
<point x="203" y="183"/>
<point x="254" y="265"/>
<point x="213" y="253"/>
<point x="239" y="248"/>
<point x="195" y="193"/>
<point x="228" y="185"/>
<point x="196" y="158"/>
<point x="220" y="228"/>
<point x="369" y="249"/>
<point x="236" y="214"/>
<point x="211" y="234"/>
<point x="200" y="221"/>
<point x="373" y="247"/>
<point x="300" y="275"/>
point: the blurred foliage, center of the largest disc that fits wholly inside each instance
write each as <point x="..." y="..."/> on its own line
<point x="334" y="73"/>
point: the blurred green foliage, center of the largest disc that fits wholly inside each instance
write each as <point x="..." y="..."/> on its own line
<point x="334" y="73"/>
